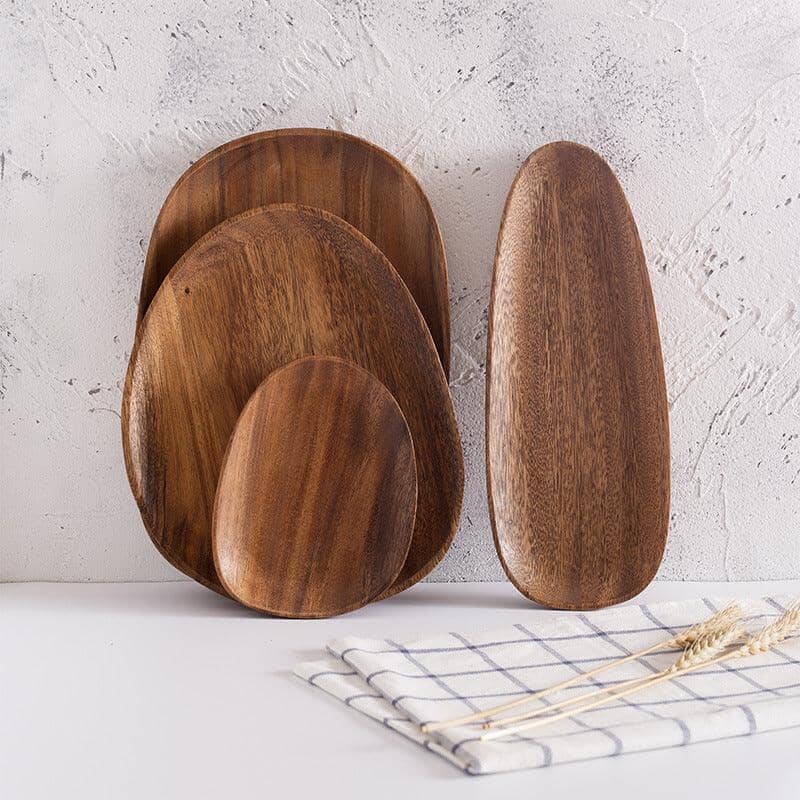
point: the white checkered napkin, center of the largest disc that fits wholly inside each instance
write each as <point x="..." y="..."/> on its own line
<point x="404" y="684"/>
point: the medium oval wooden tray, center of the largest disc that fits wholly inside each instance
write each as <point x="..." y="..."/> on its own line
<point x="260" y="290"/>
<point x="343" y="174"/>
<point x="577" y="435"/>
<point x="315" y="503"/>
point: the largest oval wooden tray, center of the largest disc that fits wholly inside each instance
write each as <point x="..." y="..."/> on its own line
<point x="577" y="436"/>
<point x="260" y="290"/>
<point x="348" y="176"/>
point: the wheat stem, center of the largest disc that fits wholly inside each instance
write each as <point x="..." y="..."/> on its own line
<point x="785" y="626"/>
<point x="696" y="655"/>
<point x="729" y="614"/>
<point x="537" y="712"/>
<point x="706" y="651"/>
<point x="663" y="676"/>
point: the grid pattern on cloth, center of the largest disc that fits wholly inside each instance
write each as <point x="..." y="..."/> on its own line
<point x="405" y="684"/>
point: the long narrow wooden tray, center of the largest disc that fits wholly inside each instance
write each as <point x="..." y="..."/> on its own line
<point x="260" y="290"/>
<point x="334" y="171"/>
<point x="577" y="434"/>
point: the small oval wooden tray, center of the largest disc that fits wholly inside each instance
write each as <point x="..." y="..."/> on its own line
<point x="315" y="503"/>
<point x="259" y="291"/>
<point x="331" y="170"/>
<point x="577" y="435"/>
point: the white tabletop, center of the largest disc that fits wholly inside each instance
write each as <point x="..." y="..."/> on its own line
<point x="169" y="691"/>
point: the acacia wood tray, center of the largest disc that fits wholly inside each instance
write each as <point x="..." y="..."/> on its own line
<point x="315" y="503"/>
<point x="260" y="290"/>
<point x="577" y="435"/>
<point x="331" y="170"/>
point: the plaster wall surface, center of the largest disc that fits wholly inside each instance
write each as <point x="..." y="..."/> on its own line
<point x="694" y="105"/>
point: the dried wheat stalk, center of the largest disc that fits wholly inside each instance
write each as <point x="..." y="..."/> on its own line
<point x="726" y="616"/>
<point x="706" y="651"/>
<point x="699" y="653"/>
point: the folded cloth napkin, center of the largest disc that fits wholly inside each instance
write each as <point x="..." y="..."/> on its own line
<point x="403" y="685"/>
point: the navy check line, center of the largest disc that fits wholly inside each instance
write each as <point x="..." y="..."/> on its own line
<point x="593" y="681"/>
<point x="751" y="720"/>
<point x="361" y="696"/>
<point x="776" y="605"/>
<point x="566" y="662"/>
<point x="495" y="667"/>
<point x="720" y="706"/>
<point x="685" y="732"/>
<point x="499" y="643"/>
<point x="395" y="702"/>
<point x="435" y="678"/>
<point x="538" y="665"/>
<point x="680" y="684"/>
<point x="439" y="682"/>
<point x="622" y="704"/>
<point x="503" y="642"/>
<point x="328" y="672"/>
<point x="498" y="695"/>
<point x="387" y="720"/>
<point x="553" y="652"/>
<point x="598" y="683"/>
<point x="547" y="753"/>
<point x="484" y="696"/>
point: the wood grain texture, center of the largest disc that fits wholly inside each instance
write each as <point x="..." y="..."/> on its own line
<point x="259" y="291"/>
<point x="577" y="432"/>
<point x="315" y="503"/>
<point x="343" y="174"/>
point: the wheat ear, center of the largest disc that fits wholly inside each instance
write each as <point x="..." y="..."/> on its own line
<point x="788" y="624"/>
<point x="702" y="652"/>
<point x="722" y="618"/>
<point x="727" y="616"/>
<point x="707" y="647"/>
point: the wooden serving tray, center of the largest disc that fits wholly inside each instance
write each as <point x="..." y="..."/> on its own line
<point x="257" y="292"/>
<point x="315" y="503"/>
<point x="343" y="174"/>
<point x="577" y="435"/>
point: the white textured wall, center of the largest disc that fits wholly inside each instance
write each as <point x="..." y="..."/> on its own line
<point x="694" y="104"/>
